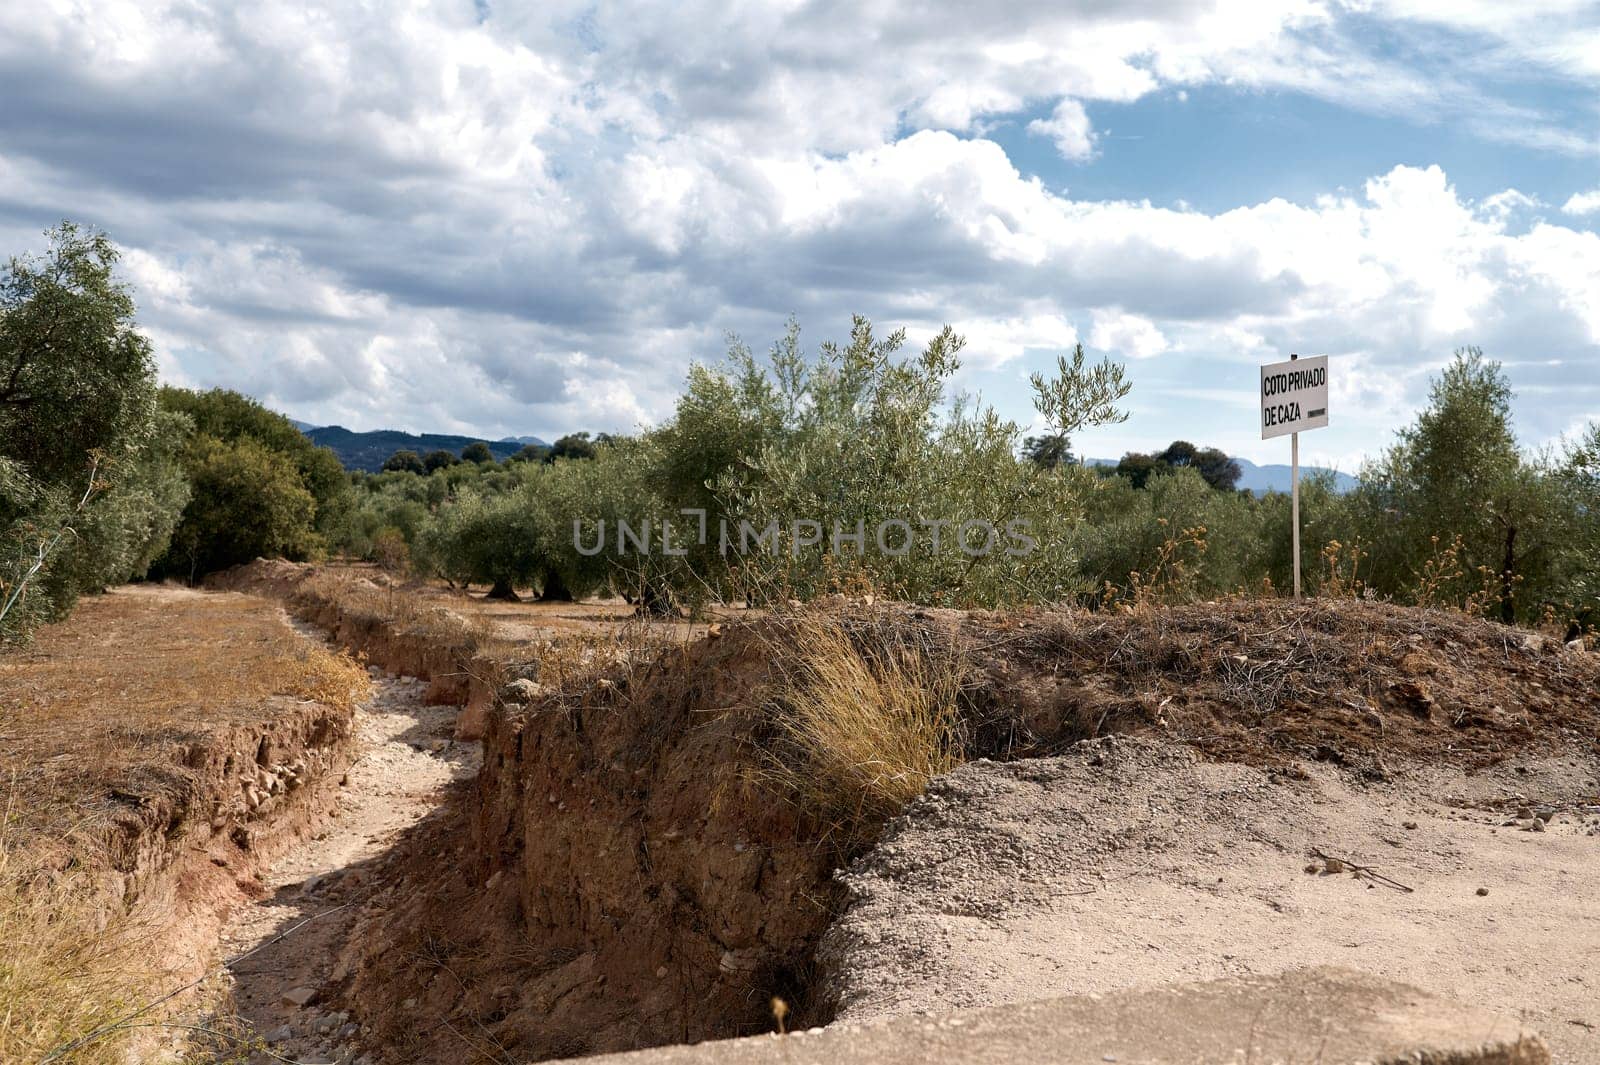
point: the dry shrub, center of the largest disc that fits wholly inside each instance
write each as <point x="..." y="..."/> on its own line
<point x="332" y="679"/>
<point x="1444" y="584"/>
<point x="1172" y="577"/>
<point x="866" y="716"/>
<point x="1341" y="571"/>
<point x="66" y="969"/>
<point x="390" y="551"/>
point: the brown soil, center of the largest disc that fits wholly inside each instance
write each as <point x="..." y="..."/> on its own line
<point x="626" y="882"/>
<point x="166" y="744"/>
<point x="623" y="873"/>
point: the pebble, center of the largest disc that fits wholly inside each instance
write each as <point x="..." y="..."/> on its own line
<point x="1483" y="891"/>
<point x="299" y="996"/>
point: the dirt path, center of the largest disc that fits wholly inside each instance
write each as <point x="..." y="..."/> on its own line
<point x="1134" y="864"/>
<point x="404" y="759"/>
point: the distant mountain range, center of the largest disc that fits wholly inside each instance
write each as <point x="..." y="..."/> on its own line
<point x="1275" y="478"/>
<point x="369" y="451"/>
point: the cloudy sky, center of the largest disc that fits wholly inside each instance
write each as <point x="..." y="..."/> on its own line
<point x="506" y="218"/>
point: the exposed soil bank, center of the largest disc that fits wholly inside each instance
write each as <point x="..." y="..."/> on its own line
<point x="626" y="883"/>
<point x="620" y="875"/>
<point x="179" y="784"/>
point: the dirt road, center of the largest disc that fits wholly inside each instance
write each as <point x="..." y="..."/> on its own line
<point x="405" y="758"/>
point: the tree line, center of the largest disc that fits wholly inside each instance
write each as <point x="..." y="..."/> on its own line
<point x="107" y="476"/>
<point x="1455" y="512"/>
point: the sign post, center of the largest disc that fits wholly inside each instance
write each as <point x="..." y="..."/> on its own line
<point x="1294" y="397"/>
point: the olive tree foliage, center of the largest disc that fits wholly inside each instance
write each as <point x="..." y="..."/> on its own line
<point x="793" y="474"/>
<point x="523" y="527"/>
<point x="1579" y="553"/>
<point x="1457" y="482"/>
<point x="89" y="489"/>
<point x="859" y="439"/>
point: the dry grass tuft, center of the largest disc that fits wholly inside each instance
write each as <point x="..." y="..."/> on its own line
<point x="320" y="676"/>
<point x="66" y="966"/>
<point x="866" y="716"/>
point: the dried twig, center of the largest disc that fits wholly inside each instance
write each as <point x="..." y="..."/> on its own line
<point x="1357" y="868"/>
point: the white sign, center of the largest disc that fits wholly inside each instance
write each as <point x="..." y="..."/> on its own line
<point x="1294" y="396"/>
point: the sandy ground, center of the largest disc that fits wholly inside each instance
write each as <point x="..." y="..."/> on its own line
<point x="405" y="757"/>
<point x="1132" y="863"/>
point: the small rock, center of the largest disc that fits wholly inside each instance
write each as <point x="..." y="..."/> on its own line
<point x="1546" y="815"/>
<point x="299" y="996"/>
<point x="661" y="973"/>
<point x="279" y="1035"/>
<point x="1410" y="825"/>
<point x="1524" y="812"/>
<point x="744" y="960"/>
<point x="1536" y="825"/>
<point x="1334" y="865"/>
<point x="1482" y="891"/>
<point x="1312" y="868"/>
<point x="522" y="690"/>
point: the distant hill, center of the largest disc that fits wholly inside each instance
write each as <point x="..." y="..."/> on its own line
<point x="369" y="451"/>
<point x="1275" y="478"/>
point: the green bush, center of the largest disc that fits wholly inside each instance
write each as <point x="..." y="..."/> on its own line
<point x="299" y="500"/>
<point x="248" y="502"/>
<point x="89" y="487"/>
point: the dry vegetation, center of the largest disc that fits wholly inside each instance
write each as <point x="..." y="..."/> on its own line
<point x="98" y="709"/>
<point x="699" y="793"/>
<point x="866" y="715"/>
<point x="100" y="716"/>
<point x="65" y="969"/>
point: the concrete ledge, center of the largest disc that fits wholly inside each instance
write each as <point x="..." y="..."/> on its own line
<point x="1321" y="1016"/>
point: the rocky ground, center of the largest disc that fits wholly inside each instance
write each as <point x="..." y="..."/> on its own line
<point x="288" y="941"/>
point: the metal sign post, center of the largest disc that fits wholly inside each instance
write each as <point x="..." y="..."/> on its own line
<point x="1294" y="397"/>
